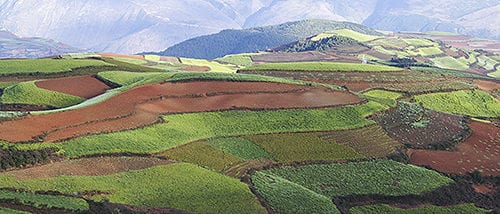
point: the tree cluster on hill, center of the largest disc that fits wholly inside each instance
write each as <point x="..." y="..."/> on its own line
<point x="403" y="62"/>
<point x="320" y="45"/>
<point x="255" y="39"/>
<point x="11" y="157"/>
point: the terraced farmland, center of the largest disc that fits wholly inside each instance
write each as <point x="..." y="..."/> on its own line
<point x="472" y="102"/>
<point x="28" y="93"/>
<point x="375" y="123"/>
<point x="321" y="66"/>
<point x="33" y="66"/>
<point x="465" y="208"/>
<point x="479" y="152"/>
<point x="180" y="182"/>
<point x="321" y="182"/>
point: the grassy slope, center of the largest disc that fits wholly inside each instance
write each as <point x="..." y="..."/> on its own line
<point x="357" y="178"/>
<point x="45" y="65"/>
<point x="214" y="66"/>
<point x="125" y="78"/>
<point x="181" y="186"/>
<point x="242" y="60"/>
<point x="449" y="62"/>
<point x="284" y="196"/>
<point x="240" y="147"/>
<point x="420" y="42"/>
<point x="11" y="211"/>
<point x="360" y="37"/>
<point x="383" y="94"/>
<point x="29" y="93"/>
<point x="321" y="66"/>
<point x="185" y="76"/>
<point x="45" y="201"/>
<point x="310" y="188"/>
<point x="471" y="102"/>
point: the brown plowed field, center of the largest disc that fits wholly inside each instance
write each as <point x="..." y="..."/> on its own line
<point x="481" y="151"/>
<point x="143" y="106"/>
<point x="81" y="86"/>
<point x="88" y="167"/>
<point x="487" y="86"/>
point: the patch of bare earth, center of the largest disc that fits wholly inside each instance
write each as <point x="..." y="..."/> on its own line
<point x="88" y="167"/>
<point x="81" y="86"/>
<point x="480" y="152"/>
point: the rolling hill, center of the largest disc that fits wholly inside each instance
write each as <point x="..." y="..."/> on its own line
<point x="253" y="39"/>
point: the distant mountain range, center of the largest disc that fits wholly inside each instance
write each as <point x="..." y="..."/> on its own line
<point x="131" y="26"/>
<point x="12" y="46"/>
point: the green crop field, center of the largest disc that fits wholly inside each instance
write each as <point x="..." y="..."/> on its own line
<point x="7" y="84"/>
<point x="449" y="62"/>
<point x="184" y="128"/>
<point x="154" y="58"/>
<point x="45" y="201"/>
<point x="125" y="78"/>
<point x="182" y="186"/>
<point x="303" y="147"/>
<point x="284" y="196"/>
<point x="361" y="37"/>
<point x="389" y="43"/>
<point x="486" y="62"/>
<point x="11" y="211"/>
<point x="29" y="93"/>
<point x="237" y="77"/>
<point x="420" y="42"/>
<point x="457" y="209"/>
<point x="321" y="66"/>
<point x="214" y="66"/>
<point x="223" y="153"/>
<point x="79" y="55"/>
<point x="384" y="177"/>
<point x="383" y="94"/>
<point x="240" y="147"/>
<point x="131" y="60"/>
<point x="391" y="52"/>
<point x="495" y="74"/>
<point x="242" y="60"/>
<point x="430" y="51"/>
<point x="201" y="154"/>
<point x="45" y="65"/>
<point x="474" y="103"/>
<point x="445" y="72"/>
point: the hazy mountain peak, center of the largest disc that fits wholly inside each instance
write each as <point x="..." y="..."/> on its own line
<point x="130" y="26"/>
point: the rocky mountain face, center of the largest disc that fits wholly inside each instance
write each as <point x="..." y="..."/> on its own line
<point x="12" y="46"/>
<point x="131" y="26"/>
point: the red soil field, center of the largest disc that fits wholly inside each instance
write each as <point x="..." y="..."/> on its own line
<point x="88" y="167"/>
<point x="81" y="86"/>
<point x="481" y="151"/>
<point x="122" y="56"/>
<point x="486" y="85"/>
<point x="142" y="106"/>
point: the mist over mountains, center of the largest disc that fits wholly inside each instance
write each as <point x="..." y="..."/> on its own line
<point x="131" y="26"/>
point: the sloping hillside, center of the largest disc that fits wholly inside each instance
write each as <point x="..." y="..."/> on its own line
<point x="253" y="39"/>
